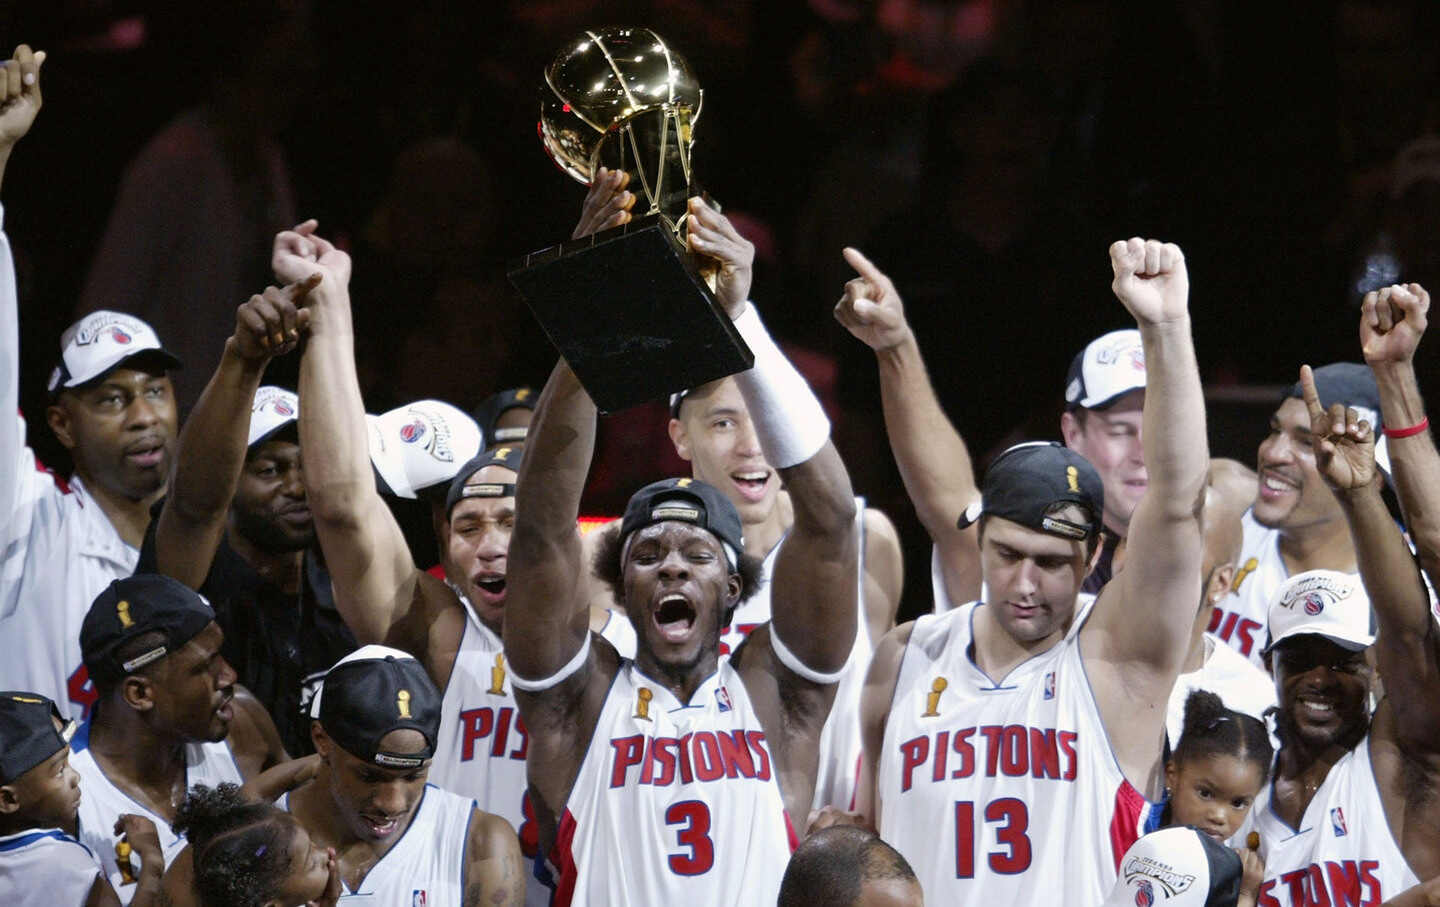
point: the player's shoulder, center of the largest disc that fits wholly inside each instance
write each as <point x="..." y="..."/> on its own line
<point x="490" y="836"/>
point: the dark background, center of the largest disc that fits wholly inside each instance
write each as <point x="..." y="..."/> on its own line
<point x="984" y="153"/>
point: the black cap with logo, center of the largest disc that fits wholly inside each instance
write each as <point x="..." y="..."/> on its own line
<point x="687" y="500"/>
<point x="461" y="487"/>
<point x="1029" y="482"/>
<point x="131" y="607"/>
<point x="27" y="733"/>
<point x="371" y="692"/>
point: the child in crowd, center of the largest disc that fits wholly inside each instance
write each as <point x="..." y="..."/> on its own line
<point x="41" y="861"/>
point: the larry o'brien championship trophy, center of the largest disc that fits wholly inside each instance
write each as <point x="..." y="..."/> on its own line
<point x="628" y="307"/>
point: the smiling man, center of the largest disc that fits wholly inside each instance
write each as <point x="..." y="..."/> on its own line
<point x="169" y="714"/>
<point x="237" y="526"/>
<point x="657" y="780"/>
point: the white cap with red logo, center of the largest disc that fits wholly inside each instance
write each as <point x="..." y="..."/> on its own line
<point x="102" y="341"/>
<point x="1108" y="367"/>
<point x="421" y="445"/>
<point x="273" y="409"/>
<point x="1326" y="603"/>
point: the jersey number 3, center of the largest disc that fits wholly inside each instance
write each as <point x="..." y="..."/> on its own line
<point x="1011" y="835"/>
<point x="693" y="817"/>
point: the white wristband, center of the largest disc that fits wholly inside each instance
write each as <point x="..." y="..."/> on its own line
<point x="788" y="419"/>
<point x="788" y="659"/>
<point x="559" y="677"/>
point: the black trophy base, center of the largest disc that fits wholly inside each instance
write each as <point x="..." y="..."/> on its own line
<point x="629" y="315"/>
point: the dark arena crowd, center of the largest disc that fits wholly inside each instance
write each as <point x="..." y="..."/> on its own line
<point x="430" y="418"/>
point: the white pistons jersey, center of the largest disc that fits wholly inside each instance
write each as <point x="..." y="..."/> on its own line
<point x="101" y="802"/>
<point x="840" y="743"/>
<point x="674" y="804"/>
<point x="426" y="867"/>
<point x="45" y="868"/>
<point x="1343" y="852"/>
<point x="1240" y="617"/>
<point x="1002" y="792"/>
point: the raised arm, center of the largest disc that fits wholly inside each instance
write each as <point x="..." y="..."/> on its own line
<point x="1137" y="638"/>
<point x="814" y="581"/>
<point x="370" y="565"/>
<point x="212" y="443"/>
<point x="933" y="459"/>
<point x="546" y="621"/>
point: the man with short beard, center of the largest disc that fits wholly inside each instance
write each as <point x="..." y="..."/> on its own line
<point x="237" y="526"/>
<point x="113" y="408"/>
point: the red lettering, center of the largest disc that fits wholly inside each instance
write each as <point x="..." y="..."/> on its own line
<point x="912" y="754"/>
<point x="1016" y="817"/>
<point x="1044" y="754"/>
<point x="966" y="751"/>
<point x="1229" y="625"/>
<point x="1344" y="883"/>
<point x="687" y="774"/>
<point x="81" y="691"/>
<point x="1215" y="617"/>
<point x="661" y="751"/>
<point x="708" y="765"/>
<point x="964" y="840"/>
<point x="1266" y="899"/>
<point x="502" y="731"/>
<point x="1067" y="746"/>
<point x="757" y="743"/>
<point x="1015" y="751"/>
<point x="524" y="747"/>
<point x="476" y="725"/>
<point x="1245" y="631"/>
<point x="1296" y="881"/>
<point x="942" y="752"/>
<point x="1372" y="884"/>
<point x="628" y="751"/>
<point x="736" y="755"/>
<point x="1319" y="894"/>
<point x="991" y="733"/>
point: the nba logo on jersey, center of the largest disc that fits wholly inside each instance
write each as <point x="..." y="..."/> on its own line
<point x="1144" y="894"/>
<point x="1337" y="822"/>
<point x="722" y="697"/>
<point x="418" y="898"/>
<point x="1050" y="685"/>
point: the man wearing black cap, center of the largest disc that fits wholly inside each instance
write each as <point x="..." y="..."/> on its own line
<point x="654" y="780"/>
<point x="504" y="417"/>
<point x="42" y="863"/>
<point x="398" y="839"/>
<point x="1011" y="743"/>
<point x="237" y="526"/>
<point x="168" y="715"/>
<point x="1295" y="523"/>
<point x="113" y="409"/>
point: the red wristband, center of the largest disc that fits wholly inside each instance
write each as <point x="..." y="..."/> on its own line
<point x="1415" y="429"/>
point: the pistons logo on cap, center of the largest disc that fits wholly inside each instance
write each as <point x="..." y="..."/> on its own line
<point x="1137" y="359"/>
<point x="284" y="408"/>
<point x="412" y="432"/>
<point x="1144" y="894"/>
<point x="118" y="335"/>
<point x="1314" y="604"/>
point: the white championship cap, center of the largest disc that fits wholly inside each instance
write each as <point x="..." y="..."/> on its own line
<point x="101" y="341"/>
<point x="1176" y="867"/>
<point x="1327" y="603"/>
<point x="421" y="444"/>
<point x="1108" y="367"/>
<point x="272" y="410"/>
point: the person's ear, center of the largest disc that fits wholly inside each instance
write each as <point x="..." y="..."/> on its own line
<point x="138" y="692"/>
<point x="57" y="416"/>
<point x="321" y="741"/>
<point x="9" y="800"/>
<point x="680" y="437"/>
<point x="1171" y="775"/>
<point x="1070" y="428"/>
<point x="1221" y="578"/>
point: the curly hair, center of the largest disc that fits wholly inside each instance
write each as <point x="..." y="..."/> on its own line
<point x="1210" y="728"/>
<point x="241" y="847"/>
<point x="607" y="566"/>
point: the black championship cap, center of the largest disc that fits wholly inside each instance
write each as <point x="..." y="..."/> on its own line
<point x="134" y="606"/>
<point x="371" y="692"/>
<point x="461" y="487"/>
<point x="687" y="500"/>
<point x="1028" y="482"/>
<point x="27" y="733"/>
<point x="1349" y="383"/>
<point x="495" y="406"/>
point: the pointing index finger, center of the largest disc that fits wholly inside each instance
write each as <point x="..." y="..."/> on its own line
<point x="864" y="267"/>
<point x="1311" y="396"/>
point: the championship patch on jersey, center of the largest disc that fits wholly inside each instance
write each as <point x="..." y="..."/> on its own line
<point x="1050" y="685"/>
<point x="1337" y="822"/>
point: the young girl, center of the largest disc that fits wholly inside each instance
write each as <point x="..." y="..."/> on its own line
<point x="1218" y="768"/>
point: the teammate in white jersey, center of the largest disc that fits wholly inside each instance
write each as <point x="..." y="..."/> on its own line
<point x="452" y="625"/>
<point x="1295" y="523"/>
<point x="1352" y="813"/>
<point x="168" y="716"/>
<point x="1012" y="744"/>
<point x="657" y="781"/>
<point x="42" y="861"/>
<point x="399" y="841"/>
<point x="113" y="408"/>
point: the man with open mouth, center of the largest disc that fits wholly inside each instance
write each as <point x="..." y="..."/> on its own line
<point x="1351" y="812"/>
<point x="397" y="838"/>
<point x="657" y="780"/>
<point x="169" y="714"/>
<point x="237" y="526"/>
